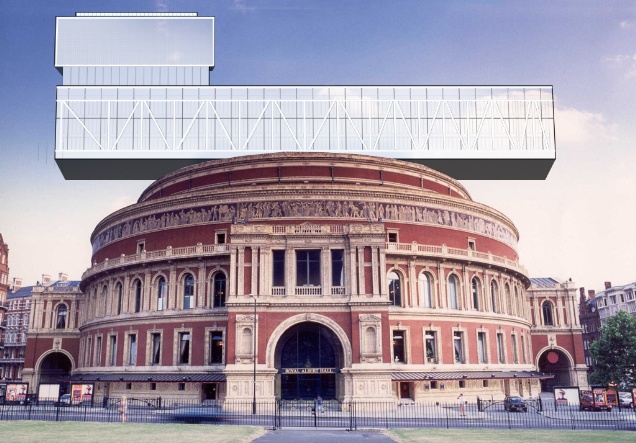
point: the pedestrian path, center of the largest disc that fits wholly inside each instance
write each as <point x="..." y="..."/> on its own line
<point x="323" y="436"/>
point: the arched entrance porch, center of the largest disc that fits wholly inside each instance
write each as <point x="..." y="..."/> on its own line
<point x="558" y="362"/>
<point x="309" y="357"/>
<point x="54" y="366"/>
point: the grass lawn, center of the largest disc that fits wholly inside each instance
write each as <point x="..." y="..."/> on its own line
<point x="430" y="435"/>
<point x="83" y="432"/>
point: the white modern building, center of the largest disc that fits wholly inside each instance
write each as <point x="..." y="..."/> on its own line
<point x="614" y="299"/>
<point x="136" y="103"/>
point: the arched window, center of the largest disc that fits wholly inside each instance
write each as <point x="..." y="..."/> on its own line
<point x="452" y="292"/>
<point x="475" y="288"/>
<point x="548" y="319"/>
<point x="138" y="296"/>
<point x="424" y="283"/>
<point x="395" y="289"/>
<point x="219" y="290"/>
<point x="105" y="297"/>
<point x="518" y="310"/>
<point x="370" y="340"/>
<point x="161" y="294"/>
<point x="188" y="292"/>
<point x="493" y="295"/>
<point x="120" y="290"/>
<point x="61" y="317"/>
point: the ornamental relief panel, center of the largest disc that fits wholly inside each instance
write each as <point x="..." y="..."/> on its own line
<point x="312" y="208"/>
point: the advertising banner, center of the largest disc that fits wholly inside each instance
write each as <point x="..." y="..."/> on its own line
<point x="81" y="393"/>
<point x="566" y="396"/>
<point x="16" y="392"/>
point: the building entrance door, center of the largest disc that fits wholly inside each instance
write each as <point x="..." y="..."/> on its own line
<point x="209" y="391"/>
<point x="309" y="359"/>
<point x="405" y="390"/>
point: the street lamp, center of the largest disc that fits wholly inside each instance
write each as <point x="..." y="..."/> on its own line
<point x="254" y="358"/>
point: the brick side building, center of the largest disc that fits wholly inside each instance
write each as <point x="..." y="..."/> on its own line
<point x="4" y="290"/>
<point x="590" y="323"/>
<point x="556" y="332"/>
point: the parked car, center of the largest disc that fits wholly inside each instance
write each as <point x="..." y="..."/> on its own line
<point x="65" y="400"/>
<point x="625" y="399"/>
<point x="515" y="404"/>
<point x="197" y="414"/>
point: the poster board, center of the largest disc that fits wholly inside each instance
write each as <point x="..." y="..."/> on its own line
<point x="49" y="392"/>
<point x="82" y="393"/>
<point x="16" y="392"/>
<point x="566" y="395"/>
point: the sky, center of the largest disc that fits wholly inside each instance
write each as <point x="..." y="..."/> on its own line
<point x="578" y="223"/>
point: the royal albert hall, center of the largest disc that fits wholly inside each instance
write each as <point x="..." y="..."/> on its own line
<point x="304" y="274"/>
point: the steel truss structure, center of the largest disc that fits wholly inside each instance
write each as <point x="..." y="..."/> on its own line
<point x="201" y="123"/>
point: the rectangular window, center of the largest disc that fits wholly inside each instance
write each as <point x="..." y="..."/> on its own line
<point x="337" y="267"/>
<point x="482" y="353"/>
<point x="471" y="244"/>
<point x="216" y="347"/>
<point x="515" y="357"/>
<point x="141" y="247"/>
<point x="132" y="349"/>
<point x="98" y="351"/>
<point x="182" y="386"/>
<point x="393" y="237"/>
<point x="399" y="346"/>
<point x="484" y="383"/>
<point x="308" y="268"/>
<point x="184" y="348"/>
<point x="462" y="384"/>
<point x="500" y="348"/>
<point x="431" y="347"/>
<point x="113" y="350"/>
<point x="278" y="269"/>
<point x="458" y="346"/>
<point x="156" y="348"/>
<point x="220" y="238"/>
<point x="87" y="362"/>
<point x="129" y="386"/>
<point x="153" y="386"/>
<point x="523" y="349"/>
<point x="434" y="384"/>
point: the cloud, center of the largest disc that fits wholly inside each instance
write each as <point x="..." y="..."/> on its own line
<point x="624" y="62"/>
<point x="575" y="126"/>
<point x="626" y="25"/>
<point x="161" y="5"/>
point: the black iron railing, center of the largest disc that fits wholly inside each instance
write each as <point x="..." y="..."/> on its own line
<point x="329" y="414"/>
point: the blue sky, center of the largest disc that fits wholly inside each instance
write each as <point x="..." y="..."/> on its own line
<point x="578" y="223"/>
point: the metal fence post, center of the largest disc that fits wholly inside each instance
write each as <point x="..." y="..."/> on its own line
<point x="447" y="418"/>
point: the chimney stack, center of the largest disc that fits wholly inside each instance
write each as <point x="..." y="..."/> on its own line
<point x="46" y="279"/>
<point x="63" y="277"/>
<point x="591" y="294"/>
<point x="608" y="284"/>
<point x="17" y="283"/>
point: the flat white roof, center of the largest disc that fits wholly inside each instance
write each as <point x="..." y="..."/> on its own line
<point x="134" y="40"/>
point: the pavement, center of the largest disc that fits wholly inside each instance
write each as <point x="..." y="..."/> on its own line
<point x="323" y="436"/>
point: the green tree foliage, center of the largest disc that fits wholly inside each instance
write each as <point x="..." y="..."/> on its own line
<point x="615" y="352"/>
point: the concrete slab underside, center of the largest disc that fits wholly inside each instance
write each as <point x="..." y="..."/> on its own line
<point x="152" y="169"/>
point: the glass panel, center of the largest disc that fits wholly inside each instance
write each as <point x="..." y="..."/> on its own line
<point x="278" y="271"/>
<point x="398" y="347"/>
<point x="219" y="290"/>
<point x="308" y="268"/>
<point x="337" y="267"/>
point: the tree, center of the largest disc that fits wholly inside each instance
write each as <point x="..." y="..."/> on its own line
<point x="615" y="352"/>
